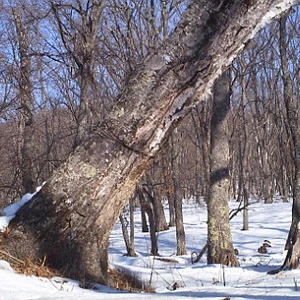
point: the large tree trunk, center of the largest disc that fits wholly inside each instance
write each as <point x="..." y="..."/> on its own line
<point x="70" y="220"/>
<point x="220" y="248"/>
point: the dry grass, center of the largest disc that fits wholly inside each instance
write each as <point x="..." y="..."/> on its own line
<point x="116" y="278"/>
<point x="126" y="281"/>
<point x="28" y="267"/>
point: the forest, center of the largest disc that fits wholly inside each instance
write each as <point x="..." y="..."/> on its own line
<point x="119" y="106"/>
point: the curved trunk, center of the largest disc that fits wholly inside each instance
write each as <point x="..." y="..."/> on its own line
<point x="70" y="220"/>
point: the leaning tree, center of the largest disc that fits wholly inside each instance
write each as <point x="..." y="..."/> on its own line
<point x="70" y="220"/>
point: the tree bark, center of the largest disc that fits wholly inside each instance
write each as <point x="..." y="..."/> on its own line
<point x="148" y="208"/>
<point x="158" y="209"/>
<point x="220" y="248"/>
<point x="180" y="233"/>
<point x="26" y="105"/>
<point x="128" y="238"/>
<point x="293" y="240"/>
<point x="145" y="227"/>
<point x="128" y="243"/>
<point x="70" y="220"/>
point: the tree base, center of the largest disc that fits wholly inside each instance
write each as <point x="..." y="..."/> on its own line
<point x="37" y="234"/>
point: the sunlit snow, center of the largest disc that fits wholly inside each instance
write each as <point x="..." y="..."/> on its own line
<point x="9" y="212"/>
<point x="199" y="281"/>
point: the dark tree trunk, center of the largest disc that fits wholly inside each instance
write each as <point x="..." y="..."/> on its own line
<point x="180" y="233"/>
<point x="293" y="240"/>
<point x="168" y="185"/>
<point x="158" y="209"/>
<point x="144" y="220"/>
<point x="70" y="220"/>
<point x="171" y="209"/>
<point x="148" y="208"/>
<point x="220" y="248"/>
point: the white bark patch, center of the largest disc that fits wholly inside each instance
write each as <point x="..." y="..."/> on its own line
<point x="274" y="12"/>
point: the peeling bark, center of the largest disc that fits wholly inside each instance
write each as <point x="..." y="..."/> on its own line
<point x="70" y="220"/>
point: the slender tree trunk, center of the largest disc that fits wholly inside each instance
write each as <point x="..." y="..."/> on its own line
<point x="220" y="248"/>
<point x="148" y="207"/>
<point x="199" y="183"/>
<point x="131" y="217"/>
<point x="26" y="99"/>
<point x="168" y="185"/>
<point x="145" y="227"/>
<point x="171" y="209"/>
<point x="70" y="220"/>
<point x="245" y="210"/>
<point x="159" y="214"/>
<point x="180" y="233"/>
<point x="127" y="239"/>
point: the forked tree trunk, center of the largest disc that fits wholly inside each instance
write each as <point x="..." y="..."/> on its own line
<point x="158" y="210"/>
<point x="70" y="220"/>
<point x="220" y="248"/>
<point x="148" y="208"/>
<point x="128" y="237"/>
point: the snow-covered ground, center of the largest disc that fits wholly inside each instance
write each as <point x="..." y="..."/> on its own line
<point x="250" y="281"/>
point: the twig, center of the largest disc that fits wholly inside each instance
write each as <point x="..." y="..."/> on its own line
<point x="234" y="212"/>
<point x="199" y="255"/>
<point x="12" y="257"/>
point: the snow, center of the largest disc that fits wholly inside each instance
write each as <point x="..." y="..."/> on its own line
<point x="249" y="281"/>
<point x="10" y="211"/>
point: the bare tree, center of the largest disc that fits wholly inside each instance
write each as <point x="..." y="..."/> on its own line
<point x="220" y="248"/>
<point x="128" y="238"/>
<point x="70" y="220"/>
<point x="78" y="25"/>
<point x="292" y="108"/>
<point x="180" y="233"/>
<point x="25" y="93"/>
